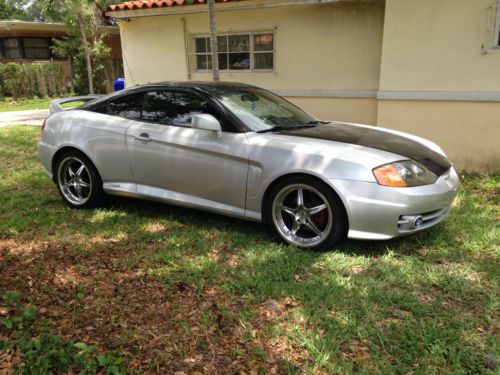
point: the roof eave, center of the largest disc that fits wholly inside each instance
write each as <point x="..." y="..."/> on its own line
<point x="202" y="8"/>
<point x="14" y="25"/>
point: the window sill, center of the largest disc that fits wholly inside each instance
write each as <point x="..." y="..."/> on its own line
<point x="494" y="50"/>
<point x="234" y="71"/>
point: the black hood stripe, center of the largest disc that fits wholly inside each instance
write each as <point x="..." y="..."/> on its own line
<point x="374" y="138"/>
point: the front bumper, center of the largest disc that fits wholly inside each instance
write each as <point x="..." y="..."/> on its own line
<point x="378" y="212"/>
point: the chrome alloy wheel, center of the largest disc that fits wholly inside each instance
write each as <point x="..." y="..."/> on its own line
<point x="74" y="180"/>
<point x="302" y="215"/>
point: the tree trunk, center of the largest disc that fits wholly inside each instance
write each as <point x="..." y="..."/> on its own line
<point x="88" y="63"/>
<point x="213" y="40"/>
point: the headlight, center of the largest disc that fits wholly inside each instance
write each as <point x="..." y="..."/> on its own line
<point x="403" y="173"/>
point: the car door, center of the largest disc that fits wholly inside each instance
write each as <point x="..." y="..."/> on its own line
<point x="106" y="124"/>
<point x="173" y="161"/>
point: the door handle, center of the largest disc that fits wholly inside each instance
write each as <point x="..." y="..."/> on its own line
<point x="144" y="137"/>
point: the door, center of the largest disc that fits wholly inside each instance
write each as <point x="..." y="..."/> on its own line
<point x="173" y="161"/>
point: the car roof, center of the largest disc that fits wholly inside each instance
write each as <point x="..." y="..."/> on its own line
<point x="207" y="86"/>
<point x="203" y="85"/>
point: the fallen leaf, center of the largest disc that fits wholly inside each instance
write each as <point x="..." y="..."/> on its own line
<point x="273" y="305"/>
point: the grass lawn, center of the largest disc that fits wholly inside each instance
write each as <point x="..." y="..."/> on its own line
<point x="160" y="289"/>
<point x="23" y="104"/>
<point x="11" y="104"/>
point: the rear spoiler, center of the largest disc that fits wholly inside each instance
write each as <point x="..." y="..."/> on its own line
<point x="56" y="104"/>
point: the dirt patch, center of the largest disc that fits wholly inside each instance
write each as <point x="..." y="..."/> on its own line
<point x="104" y="298"/>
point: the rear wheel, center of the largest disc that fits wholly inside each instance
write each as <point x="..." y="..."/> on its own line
<point x="307" y="213"/>
<point x="78" y="181"/>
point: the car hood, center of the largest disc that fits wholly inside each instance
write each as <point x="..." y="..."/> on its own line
<point x="380" y="139"/>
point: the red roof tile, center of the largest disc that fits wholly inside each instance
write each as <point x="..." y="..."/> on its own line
<point x="149" y="4"/>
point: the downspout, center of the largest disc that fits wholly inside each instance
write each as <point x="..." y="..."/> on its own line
<point x="186" y="48"/>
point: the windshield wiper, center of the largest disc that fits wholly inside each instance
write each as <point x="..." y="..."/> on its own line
<point x="317" y="122"/>
<point x="279" y="128"/>
<point x="310" y="124"/>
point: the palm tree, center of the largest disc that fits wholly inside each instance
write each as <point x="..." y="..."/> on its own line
<point x="213" y="40"/>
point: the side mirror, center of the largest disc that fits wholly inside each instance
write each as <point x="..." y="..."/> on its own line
<point x="205" y="121"/>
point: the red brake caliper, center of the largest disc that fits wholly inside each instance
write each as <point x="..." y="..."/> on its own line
<point x="319" y="218"/>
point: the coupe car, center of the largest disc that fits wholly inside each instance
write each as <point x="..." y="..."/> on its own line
<point x="243" y="151"/>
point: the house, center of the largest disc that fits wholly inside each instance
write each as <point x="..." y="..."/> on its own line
<point x="428" y="67"/>
<point x="24" y="42"/>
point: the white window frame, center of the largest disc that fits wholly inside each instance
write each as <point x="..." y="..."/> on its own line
<point x="251" y="51"/>
<point x="496" y="38"/>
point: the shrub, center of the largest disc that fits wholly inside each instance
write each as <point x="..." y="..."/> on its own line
<point x="13" y="77"/>
<point x="2" y="92"/>
<point x="32" y="80"/>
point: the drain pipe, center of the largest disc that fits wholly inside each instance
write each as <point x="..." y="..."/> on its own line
<point x="186" y="48"/>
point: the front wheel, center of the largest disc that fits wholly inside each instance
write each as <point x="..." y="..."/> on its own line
<point x="307" y="213"/>
<point x="78" y="181"/>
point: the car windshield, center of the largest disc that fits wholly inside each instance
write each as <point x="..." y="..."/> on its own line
<point x="262" y="110"/>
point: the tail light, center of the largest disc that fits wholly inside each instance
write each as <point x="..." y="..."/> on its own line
<point x="43" y="124"/>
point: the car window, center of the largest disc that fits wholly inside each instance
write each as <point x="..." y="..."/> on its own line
<point x="99" y="108"/>
<point x="127" y="106"/>
<point x="260" y="109"/>
<point x="173" y="107"/>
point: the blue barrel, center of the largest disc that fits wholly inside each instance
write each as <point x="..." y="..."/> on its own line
<point x="119" y="84"/>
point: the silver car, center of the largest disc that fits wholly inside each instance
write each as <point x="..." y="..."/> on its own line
<point x="242" y="151"/>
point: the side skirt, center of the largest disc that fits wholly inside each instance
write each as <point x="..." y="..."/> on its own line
<point x="132" y="190"/>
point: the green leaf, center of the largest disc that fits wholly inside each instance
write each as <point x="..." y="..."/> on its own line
<point x="102" y="360"/>
<point x="7" y="323"/>
<point x="81" y="346"/>
<point x="29" y="314"/>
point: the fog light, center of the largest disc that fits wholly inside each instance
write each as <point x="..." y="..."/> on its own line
<point x="418" y="221"/>
<point x="410" y="221"/>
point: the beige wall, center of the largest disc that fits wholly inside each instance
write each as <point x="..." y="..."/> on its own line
<point x="434" y="45"/>
<point x="342" y="50"/>
<point x="358" y="110"/>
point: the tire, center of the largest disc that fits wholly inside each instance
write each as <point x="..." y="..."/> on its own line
<point x="307" y="213"/>
<point x="78" y="181"/>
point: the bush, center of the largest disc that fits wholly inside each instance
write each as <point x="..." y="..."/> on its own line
<point x="2" y="93"/>
<point x="31" y="80"/>
<point x="13" y="79"/>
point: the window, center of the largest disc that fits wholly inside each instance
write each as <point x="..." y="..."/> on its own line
<point x="160" y="106"/>
<point x="128" y="107"/>
<point x="34" y="48"/>
<point x="11" y="48"/>
<point x="172" y="107"/>
<point x="260" y="109"/>
<point x="237" y="52"/>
